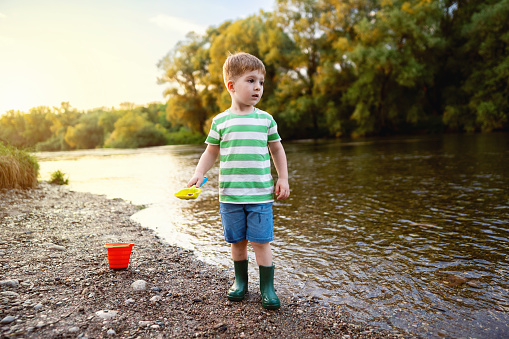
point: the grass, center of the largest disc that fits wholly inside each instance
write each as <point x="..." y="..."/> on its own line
<point x="58" y="178"/>
<point x="18" y="169"/>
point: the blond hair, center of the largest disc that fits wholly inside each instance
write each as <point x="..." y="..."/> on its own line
<point x="239" y="63"/>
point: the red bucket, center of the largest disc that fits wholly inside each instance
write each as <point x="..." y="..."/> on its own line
<point x="119" y="254"/>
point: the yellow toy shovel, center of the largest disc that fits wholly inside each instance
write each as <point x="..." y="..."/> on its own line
<point x="190" y="193"/>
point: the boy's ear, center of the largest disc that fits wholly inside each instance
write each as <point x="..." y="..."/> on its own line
<point x="229" y="86"/>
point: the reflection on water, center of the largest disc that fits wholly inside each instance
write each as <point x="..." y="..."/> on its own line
<point x="408" y="234"/>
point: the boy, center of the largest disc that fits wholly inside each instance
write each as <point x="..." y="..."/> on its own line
<point x="240" y="135"/>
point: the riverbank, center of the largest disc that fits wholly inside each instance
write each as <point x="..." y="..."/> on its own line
<point x="55" y="280"/>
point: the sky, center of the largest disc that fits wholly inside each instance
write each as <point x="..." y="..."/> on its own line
<point x="98" y="53"/>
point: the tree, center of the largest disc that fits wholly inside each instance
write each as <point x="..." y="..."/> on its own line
<point x="184" y="68"/>
<point x="300" y="20"/>
<point x="86" y="134"/>
<point x="37" y="127"/>
<point x="390" y="57"/>
<point x="12" y="128"/>
<point x="61" y="118"/>
<point x="134" y="130"/>
<point x="487" y="84"/>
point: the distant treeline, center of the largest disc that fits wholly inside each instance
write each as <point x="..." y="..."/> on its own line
<point x="355" y="68"/>
<point x="334" y="68"/>
<point x="65" y="128"/>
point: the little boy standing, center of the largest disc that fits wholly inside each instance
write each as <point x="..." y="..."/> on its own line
<point x="240" y="135"/>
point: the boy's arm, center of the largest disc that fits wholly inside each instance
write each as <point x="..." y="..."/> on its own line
<point x="207" y="160"/>
<point x="279" y="158"/>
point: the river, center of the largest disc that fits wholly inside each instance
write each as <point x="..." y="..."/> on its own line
<point x="405" y="233"/>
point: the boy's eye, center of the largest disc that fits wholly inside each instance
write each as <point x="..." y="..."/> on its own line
<point x="261" y="83"/>
<point x="250" y="80"/>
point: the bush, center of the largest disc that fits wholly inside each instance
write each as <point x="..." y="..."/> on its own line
<point x="55" y="143"/>
<point x="134" y="131"/>
<point x="184" y="136"/>
<point x="18" y="169"/>
<point x="58" y="178"/>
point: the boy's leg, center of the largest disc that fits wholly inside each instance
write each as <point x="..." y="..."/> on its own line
<point x="234" y="226"/>
<point x="239" y="250"/>
<point x="239" y="255"/>
<point x="263" y="253"/>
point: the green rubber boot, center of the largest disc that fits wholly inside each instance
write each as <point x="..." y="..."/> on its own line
<point x="270" y="300"/>
<point x="239" y="287"/>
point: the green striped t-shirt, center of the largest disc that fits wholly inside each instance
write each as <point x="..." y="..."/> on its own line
<point x="244" y="175"/>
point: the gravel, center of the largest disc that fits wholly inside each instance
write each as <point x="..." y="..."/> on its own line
<point x="55" y="280"/>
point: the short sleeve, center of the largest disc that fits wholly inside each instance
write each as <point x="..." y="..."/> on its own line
<point x="213" y="138"/>
<point x="273" y="135"/>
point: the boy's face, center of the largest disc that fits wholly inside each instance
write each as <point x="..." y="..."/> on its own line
<point x="247" y="89"/>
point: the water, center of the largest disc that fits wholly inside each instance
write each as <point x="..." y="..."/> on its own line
<point x="408" y="234"/>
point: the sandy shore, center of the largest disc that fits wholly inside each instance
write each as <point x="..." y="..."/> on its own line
<point x="55" y="281"/>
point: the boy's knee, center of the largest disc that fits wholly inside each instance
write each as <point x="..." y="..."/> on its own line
<point x="260" y="244"/>
<point x="242" y="243"/>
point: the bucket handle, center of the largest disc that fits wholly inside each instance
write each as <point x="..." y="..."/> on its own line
<point x="118" y="245"/>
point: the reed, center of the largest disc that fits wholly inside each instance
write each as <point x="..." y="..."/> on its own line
<point x="18" y="169"/>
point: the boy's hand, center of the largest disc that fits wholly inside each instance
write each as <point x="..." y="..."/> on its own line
<point x="196" y="180"/>
<point x="282" y="189"/>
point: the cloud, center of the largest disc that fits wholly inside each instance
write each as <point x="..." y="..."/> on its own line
<point x="177" y="24"/>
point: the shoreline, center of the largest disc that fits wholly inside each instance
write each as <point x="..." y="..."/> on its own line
<point x="55" y="280"/>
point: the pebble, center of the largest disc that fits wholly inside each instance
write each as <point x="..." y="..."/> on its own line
<point x="111" y="332"/>
<point x="474" y="283"/>
<point x="54" y="247"/>
<point x="38" y="306"/>
<point x="9" y="283"/>
<point x="155" y="298"/>
<point x="144" y="323"/>
<point x="130" y="301"/>
<point x="139" y="285"/>
<point x="74" y="329"/>
<point x="10" y="294"/>
<point x="8" y="319"/>
<point x="106" y="314"/>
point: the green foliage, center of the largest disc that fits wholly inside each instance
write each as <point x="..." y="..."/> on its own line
<point x="87" y="133"/>
<point x="65" y="128"/>
<point x="58" y="178"/>
<point x="333" y="68"/>
<point x="356" y="68"/>
<point x="184" y="136"/>
<point x="133" y="130"/>
<point x="18" y="169"/>
<point x="487" y="85"/>
<point x="185" y="66"/>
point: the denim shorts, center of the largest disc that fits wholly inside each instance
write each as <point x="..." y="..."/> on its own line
<point x="252" y="222"/>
